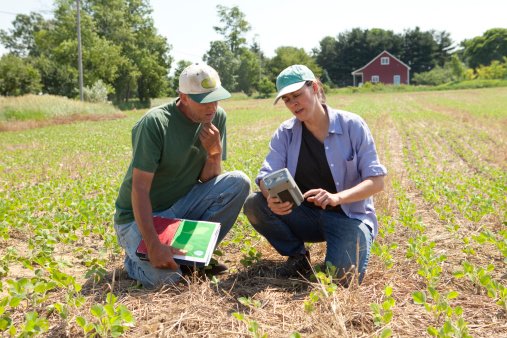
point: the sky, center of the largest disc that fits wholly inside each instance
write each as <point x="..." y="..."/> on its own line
<point x="188" y="24"/>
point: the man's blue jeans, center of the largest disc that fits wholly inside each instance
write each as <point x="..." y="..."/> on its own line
<point x="217" y="200"/>
<point x="348" y="240"/>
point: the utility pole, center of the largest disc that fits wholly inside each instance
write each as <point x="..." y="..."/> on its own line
<point x="79" y="53"/>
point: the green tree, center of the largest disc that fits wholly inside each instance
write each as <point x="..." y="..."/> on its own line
<point x="327" y="57"/>
<point x="418" y="50"/>
<point x="482" y="50"/>
<point x="20" y="40"/>
<point x="458" y="68"/>
<point x="354" y="49"/>
<point x="265" y="87"/>
<point x="234" y="26"/>
<point x="18" y="77"/>
<point x="119" y="42"/>
<point x="496" y="70"/>
<point x="143" y="71"/>
<point x="96" y="93"/>
<point x="287" y="56"/>
<point x="58" y="46"/>
<point x="377" y="40"/>
<point x="239" y="67"/>
<point x="221" y="58"/>
<point x="57" y="78"/>
<point x="352" y="53"/>
<point x="249" y="71"/>
<point x="453" y="70"/>
<point x="325" y="79"/>
<point x="444" y="44"/>
<point x="438" y="75"/>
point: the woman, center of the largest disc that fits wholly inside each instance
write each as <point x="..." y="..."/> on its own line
<point x="331" y="155"/>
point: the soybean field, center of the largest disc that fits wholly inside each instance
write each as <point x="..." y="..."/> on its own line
<point x="438" y="266"/>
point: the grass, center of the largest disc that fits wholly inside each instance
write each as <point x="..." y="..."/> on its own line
<point x="380" y="87"/>
<point x="31" y="111"/>
<point x="437" y="268"/>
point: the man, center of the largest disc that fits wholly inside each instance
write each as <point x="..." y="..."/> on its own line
<point x="176" y="172"/>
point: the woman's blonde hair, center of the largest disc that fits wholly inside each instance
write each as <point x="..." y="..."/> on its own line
<point x="320" y="93"/>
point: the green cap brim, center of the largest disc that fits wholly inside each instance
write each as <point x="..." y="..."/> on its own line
<point x="289" y="89"/>
<point x="216" y="95"/>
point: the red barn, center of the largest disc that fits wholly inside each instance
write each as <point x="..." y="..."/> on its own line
<point x="384" y="68"/>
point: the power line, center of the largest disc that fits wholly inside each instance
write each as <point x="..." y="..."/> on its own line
<point x="36" y="11"/>
<point x="9" y="13"/>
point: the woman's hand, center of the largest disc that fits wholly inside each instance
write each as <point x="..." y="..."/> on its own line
<point x="322" y="198"/>
<point x="278" y="207"/>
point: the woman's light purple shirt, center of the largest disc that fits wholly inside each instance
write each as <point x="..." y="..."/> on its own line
<point x="350" y="152"/>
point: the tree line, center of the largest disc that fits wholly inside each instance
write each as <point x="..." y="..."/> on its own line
<point x="125" y="57"/>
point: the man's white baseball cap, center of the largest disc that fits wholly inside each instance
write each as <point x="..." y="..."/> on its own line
<point x="202" y="84"/>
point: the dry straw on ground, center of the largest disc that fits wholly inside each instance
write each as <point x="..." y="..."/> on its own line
<point x="201" y="307"/>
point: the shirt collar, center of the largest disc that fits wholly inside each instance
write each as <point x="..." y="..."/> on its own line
<point x="335" y="126"/>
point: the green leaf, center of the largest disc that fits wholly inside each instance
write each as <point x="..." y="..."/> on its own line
<point x="111" y="298"/>
<point x="419" y="297"/>
<point x="434" y="293"/>
<point x="432" y="331"/>
<point x="97" y="310"/>
<point x="447" y="327"/>
<point x="215" y="280"/>
<point x="126" y="316"/>
<point x="309" y="307"/>
<point x="253" y="326"/>
<point x="452" y="295"/>
<point x="15" y="301"/>
<point x="109" y="309"/>
<point x="388" y="317"/>
<point x="459" y="274"/>
<point x="238" y="315"/>
<point x="5" y="323"/>
<point x="244" y="300"/>
<point x="458" y="310"/>
<point x="12" y="331"/>
<point x="375" y="307"/>
<point x="117" y="330"/>
<point x="387" y="332"/>
<point x="81" y="321"/>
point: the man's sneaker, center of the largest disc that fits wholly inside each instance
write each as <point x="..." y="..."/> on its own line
<point x="295" y="266"/>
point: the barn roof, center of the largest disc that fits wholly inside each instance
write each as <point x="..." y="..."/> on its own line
<point x="358" y="71"/>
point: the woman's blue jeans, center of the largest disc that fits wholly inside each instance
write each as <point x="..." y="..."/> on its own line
<point x="348" y="240"/>
<point x="217" y="200"/>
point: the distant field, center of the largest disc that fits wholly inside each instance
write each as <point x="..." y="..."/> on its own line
<point x="30" y="111"/>
<point x="438" y="266"/>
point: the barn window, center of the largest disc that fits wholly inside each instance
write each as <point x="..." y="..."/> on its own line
<point x="374" y="79"/>
<point x="384" y="60"/>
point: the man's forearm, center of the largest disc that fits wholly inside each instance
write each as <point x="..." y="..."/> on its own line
<point x="143" y="215"/>
<point x="212" y="167"/>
